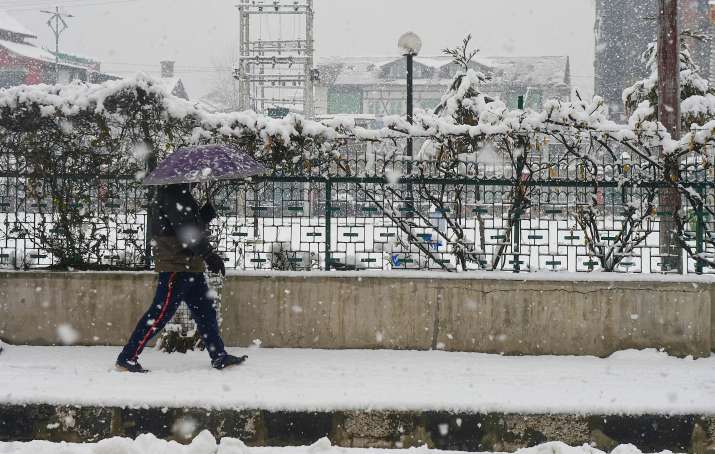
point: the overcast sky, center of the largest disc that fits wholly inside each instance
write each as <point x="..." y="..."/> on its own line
<point x="134" y="35"/>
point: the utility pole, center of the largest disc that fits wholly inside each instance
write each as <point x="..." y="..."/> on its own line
<point x="669" y="115"/>
<point x="58" y="25"/>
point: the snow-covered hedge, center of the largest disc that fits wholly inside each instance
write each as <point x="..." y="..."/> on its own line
<point x="140" y="106"/>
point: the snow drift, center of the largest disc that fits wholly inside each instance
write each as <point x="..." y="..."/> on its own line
<point x="205" y="443"/>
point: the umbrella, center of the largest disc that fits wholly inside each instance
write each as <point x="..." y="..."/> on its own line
<point x="204" y="163"/>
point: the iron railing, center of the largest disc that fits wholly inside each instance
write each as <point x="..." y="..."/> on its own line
<point x="340" y="223"/>
<point x="354" y="220"/>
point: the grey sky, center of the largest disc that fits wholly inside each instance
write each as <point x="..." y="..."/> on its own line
<point x="134" y="35"/>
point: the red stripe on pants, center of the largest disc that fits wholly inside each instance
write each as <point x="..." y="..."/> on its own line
<point x="139" y="349"/>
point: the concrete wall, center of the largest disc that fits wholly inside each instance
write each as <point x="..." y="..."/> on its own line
<point x="102" y="307"/>
<point x="510" y="315"/>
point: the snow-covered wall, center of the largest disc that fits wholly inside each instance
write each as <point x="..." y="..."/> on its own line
<point x="595" y="314"/>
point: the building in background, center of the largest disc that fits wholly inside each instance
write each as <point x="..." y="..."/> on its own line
<point x="22" y="62"/>
<point x="623" y="30"/>
<point x="173" y="84"/>
<point x="375" y="87"/>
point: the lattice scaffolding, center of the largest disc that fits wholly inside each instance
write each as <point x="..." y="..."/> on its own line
<point x="275" y="68"/>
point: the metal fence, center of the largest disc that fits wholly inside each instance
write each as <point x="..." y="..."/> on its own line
<point x="303" y="224"/>
<point x="344" y="222"/>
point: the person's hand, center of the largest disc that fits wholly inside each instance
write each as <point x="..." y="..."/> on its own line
<point x="215" y="264"/>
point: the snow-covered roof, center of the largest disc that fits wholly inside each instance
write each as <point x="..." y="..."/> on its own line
<point x="547" y="70"/>
<point x="175" y="86"/>
<point x="433" y="62"/>
<point x="352" y="70"/>
<point x="77" y="58"/>
<point x="444" y="60"/>
<point x="28" y="51"/>
<point x="348" y="77"/>
<point x="10" y="24"/>
<point x="36" y="53"/>
<point x="367" y="70"/>
<point x="354" y="61"/>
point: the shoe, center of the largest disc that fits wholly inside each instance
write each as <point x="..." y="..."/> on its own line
<point x="130" y="366"/>
<point x="226" y="361"/>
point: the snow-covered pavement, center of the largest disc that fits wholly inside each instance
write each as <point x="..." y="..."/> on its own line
<point x="206" y="444"/>
<point x="631" y="382"/>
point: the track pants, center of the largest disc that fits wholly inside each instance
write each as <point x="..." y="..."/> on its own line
<point x="173" y="289"/>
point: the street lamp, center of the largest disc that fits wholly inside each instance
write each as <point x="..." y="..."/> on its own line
<point x="410" y="45"/>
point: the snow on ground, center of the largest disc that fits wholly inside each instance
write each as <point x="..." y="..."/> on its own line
<point x="207" y="444"/>
<point x="630" y="382"/>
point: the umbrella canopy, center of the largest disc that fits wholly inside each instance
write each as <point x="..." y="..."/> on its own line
<point x="204" y="163"/>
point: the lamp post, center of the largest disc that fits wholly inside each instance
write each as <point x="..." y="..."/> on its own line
<point x="410" y="45"/>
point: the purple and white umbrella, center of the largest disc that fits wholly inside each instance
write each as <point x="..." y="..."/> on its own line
<point x="204" y="163"/>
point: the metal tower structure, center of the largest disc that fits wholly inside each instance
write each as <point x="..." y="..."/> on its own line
<point x="275" y="67"/>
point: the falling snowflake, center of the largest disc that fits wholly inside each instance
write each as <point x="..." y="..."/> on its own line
<point x="67" y="334"/>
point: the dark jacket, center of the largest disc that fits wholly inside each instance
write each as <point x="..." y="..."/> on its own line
<point x="180" y="230"/>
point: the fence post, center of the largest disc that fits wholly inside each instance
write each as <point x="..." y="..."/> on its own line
<point x="517" y="241"/>
<point x="700" y="230"/>
<point x="328" y="224"/>
<point x="150" y="213"/>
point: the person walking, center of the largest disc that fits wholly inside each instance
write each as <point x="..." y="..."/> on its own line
<point x="180" y="232"/>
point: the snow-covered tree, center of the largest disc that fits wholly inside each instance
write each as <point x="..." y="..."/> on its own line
<point x="697" y="109"/>
<point x="697" y="96"/>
